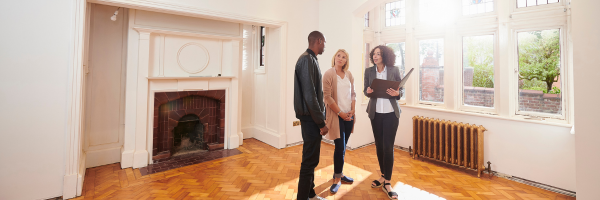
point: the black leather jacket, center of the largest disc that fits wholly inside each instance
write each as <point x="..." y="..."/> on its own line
<point x="308" y="89"/>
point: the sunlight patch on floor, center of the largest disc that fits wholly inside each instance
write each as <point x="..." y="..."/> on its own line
<point x="408" y="192"/>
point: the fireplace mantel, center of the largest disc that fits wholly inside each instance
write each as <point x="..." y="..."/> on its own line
<point x="158" y="65"/>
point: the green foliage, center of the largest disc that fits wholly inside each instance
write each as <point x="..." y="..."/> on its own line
<point x="555" y="90"/>
<point x="478" y="52"/>
<point x="533" y="85"/>
<point x="539" y="58"/>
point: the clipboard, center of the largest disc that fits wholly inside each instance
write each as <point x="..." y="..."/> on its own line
<point x="380" y="86"/>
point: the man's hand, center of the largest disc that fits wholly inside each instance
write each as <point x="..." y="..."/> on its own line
<point x="369" y="90"/>
<point x="324" y="130"/>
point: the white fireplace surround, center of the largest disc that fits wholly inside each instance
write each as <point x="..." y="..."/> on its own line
<point x="134" y="148"/>
<point x="159" y="69"/>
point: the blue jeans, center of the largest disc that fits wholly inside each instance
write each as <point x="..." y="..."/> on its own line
<point x="340" y="146"/>
<point x="311" y="150"/>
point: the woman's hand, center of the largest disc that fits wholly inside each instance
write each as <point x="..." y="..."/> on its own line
<point x="351" y="113"/>
<point x="350" y="116"/>
<point x="369" y="90"/>
<point x="393" y="92"/>
<point x="345" y="116"/>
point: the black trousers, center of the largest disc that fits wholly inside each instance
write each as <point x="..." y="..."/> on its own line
<point x="311" y="150"/>
<point x="384" y="127"/>
<point x="340" y="146"/>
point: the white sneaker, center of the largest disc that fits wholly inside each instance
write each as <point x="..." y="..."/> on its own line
<point x="317" y="197"/>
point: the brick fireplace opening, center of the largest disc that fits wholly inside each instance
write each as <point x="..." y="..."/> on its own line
<point x="188" y="122"/>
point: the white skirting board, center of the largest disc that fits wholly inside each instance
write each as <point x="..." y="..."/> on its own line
<point x="267" y="136"/>
<point x="102" y="157"/>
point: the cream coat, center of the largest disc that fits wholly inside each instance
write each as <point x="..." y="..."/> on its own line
<point x="330" y="97"/>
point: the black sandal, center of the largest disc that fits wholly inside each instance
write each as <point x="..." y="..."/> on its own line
<point x="377" y="183"/>
<point x="390" y="194"/>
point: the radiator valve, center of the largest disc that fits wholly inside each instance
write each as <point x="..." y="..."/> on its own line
<point x="489" y="168"/>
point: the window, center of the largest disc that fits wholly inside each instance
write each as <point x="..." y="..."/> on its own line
<point x="395" y="13"/>
<point x="478" y="71"/>
<point x="433" y="11"/>
<point x="262" y="45"/>
<point x="528" y="3"/>
<point x="367" y="19"/>
<point x="539" y="72"/>
<point x="477" y="6"/>
<point x="399" y="51"/>
<point x="431" y="76"/>
<point x="465" y="60"/>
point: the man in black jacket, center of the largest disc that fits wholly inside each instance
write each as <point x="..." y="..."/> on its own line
<point x="310" y="110"/>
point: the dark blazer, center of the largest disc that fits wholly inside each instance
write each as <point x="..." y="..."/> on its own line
<point x="393" y="74"/>
<point x="308" y="89"/>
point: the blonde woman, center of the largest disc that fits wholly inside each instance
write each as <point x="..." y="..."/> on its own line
<point x="340" y="98"/>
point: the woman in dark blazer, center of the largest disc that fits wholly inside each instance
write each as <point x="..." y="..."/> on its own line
<point x="384" y="113"/>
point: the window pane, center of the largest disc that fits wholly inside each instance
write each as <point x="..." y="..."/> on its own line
<point x="539" y="71"/>
<point x="477" y="6"/>
<point x="431" y="76"/>
<point x="394" y="13"/>
<point x="478" y="71"/>
<point x="399" y="51"/>
<point x="529" y="3"/>
<point x="263" y="40"/>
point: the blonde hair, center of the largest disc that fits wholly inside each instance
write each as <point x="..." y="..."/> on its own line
<point x="347" y="65"/>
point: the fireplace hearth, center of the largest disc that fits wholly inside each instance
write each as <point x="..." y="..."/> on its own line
<point x="188" y="122"/>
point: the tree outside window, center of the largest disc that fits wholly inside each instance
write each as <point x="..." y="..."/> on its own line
<point x="539" y="71"/>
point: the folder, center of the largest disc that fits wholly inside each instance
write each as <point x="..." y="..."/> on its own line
<point x="380" y="86"/>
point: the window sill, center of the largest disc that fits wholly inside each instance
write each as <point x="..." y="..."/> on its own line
<point x="551" y="122"/>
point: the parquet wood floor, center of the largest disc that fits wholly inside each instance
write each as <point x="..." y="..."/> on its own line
<point x="263" y="172"/>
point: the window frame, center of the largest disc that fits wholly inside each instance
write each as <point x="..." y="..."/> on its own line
<point x="460" y="73"/>
<point x="564" y="71"/>
<point x="515" y="9"/>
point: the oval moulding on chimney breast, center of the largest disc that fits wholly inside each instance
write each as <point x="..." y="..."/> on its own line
<point x="193" y="58"/>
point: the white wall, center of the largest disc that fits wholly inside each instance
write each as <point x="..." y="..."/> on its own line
<point x="34" y="57"/>
<point x="105" y="86"/>
<point x="586" y="43"/>
<point x="541" y="153"/>
<point x="247" y="80"/>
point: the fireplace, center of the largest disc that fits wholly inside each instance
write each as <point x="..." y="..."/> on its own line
<point x="188" y="122"/>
